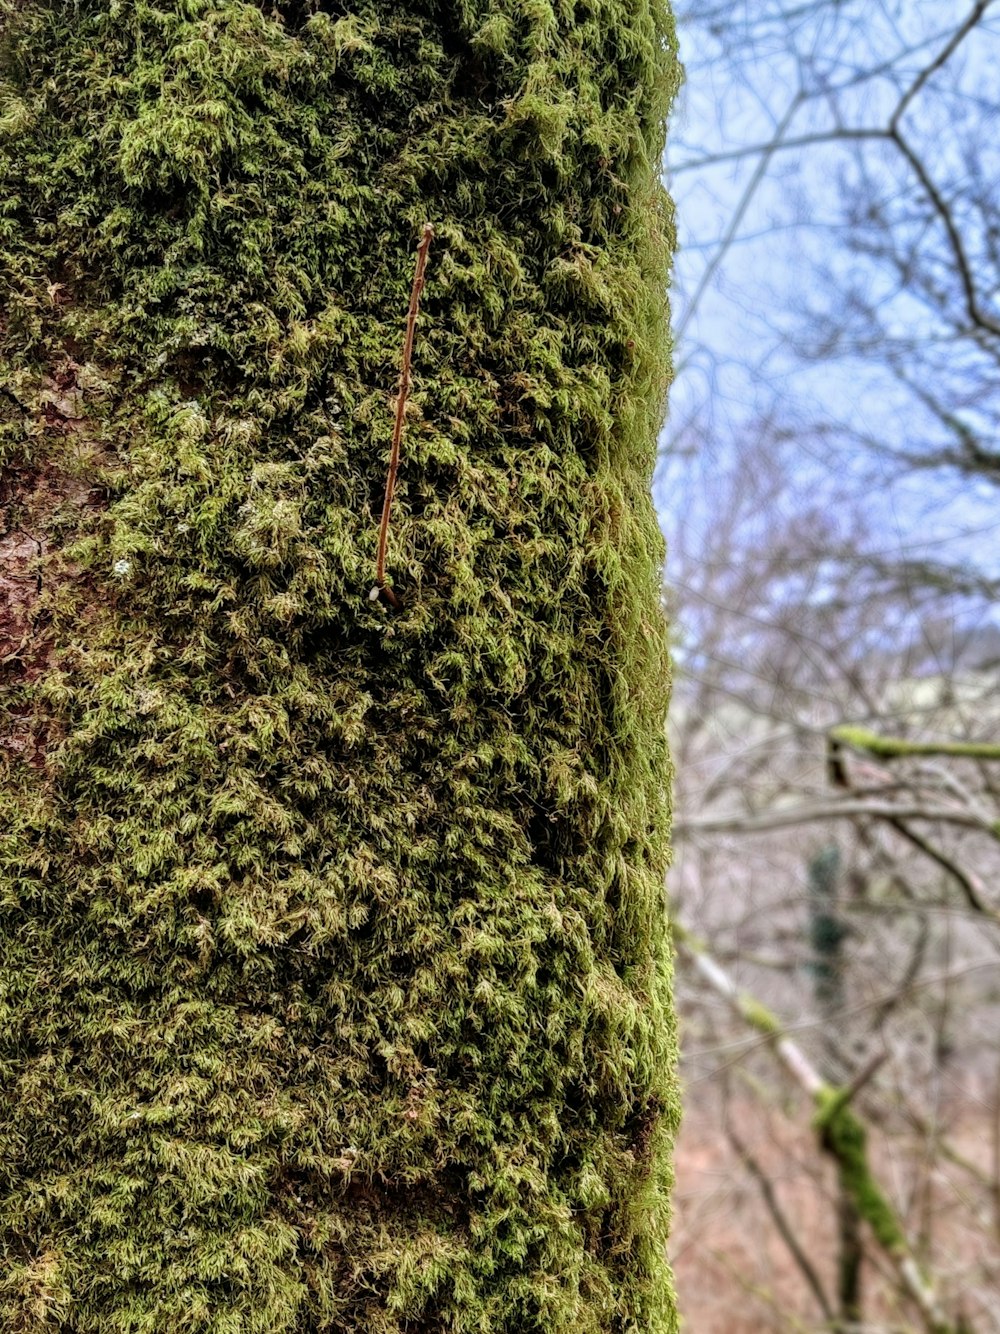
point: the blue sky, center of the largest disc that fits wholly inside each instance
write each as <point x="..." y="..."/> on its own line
<point x="741" y="350"/>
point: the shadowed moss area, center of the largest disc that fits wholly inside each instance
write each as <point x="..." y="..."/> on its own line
<point x="334" y="984"/>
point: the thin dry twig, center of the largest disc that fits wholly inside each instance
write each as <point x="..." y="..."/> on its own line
<point x="402" y="393"/>
<point x="786" y="1228"/>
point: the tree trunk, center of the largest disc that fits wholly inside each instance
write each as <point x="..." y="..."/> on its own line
<point x="827" y="933"/>
<point x="334" y="972"/>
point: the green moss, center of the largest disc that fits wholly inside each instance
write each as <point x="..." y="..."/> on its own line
<point x="844" y="1137"/>
<point x="759" y="1016"/>
<point x="334" y="990"/>
<point x="889" y="748"/>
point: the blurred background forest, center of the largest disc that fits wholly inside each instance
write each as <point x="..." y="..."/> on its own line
<point x="830" y="489"/>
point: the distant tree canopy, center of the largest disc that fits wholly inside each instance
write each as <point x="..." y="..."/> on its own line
<point x="334" y="990"/>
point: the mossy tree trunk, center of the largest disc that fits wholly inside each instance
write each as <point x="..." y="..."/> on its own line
<point x="333" y="970"/>
<point x="827" y="932"/>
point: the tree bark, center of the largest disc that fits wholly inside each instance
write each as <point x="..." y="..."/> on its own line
<point x="335" y="983"/>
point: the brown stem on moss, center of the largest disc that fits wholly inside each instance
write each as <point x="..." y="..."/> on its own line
<point x="402" y="394"/>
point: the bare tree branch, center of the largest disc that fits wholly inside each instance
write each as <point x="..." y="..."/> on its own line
<point x="784" y="1227"/>
<point x="840" y="1132"/>
<point x="811" y="813"/>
